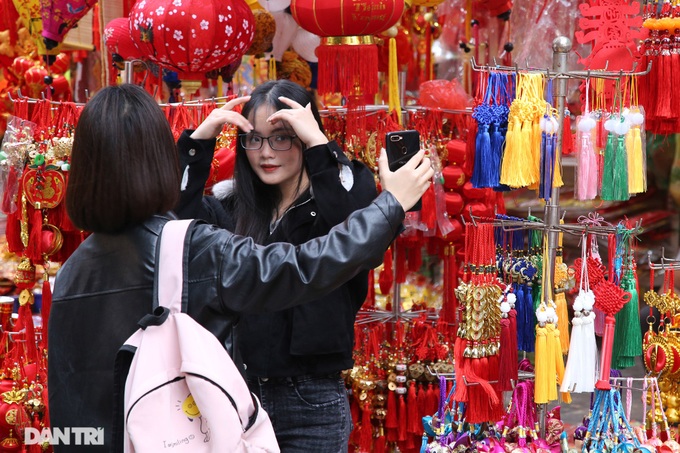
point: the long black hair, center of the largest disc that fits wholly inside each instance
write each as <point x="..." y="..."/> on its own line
<point x="252" y="201"/>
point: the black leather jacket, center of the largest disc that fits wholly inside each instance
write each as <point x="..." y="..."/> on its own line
<point x="106" y="286"/>
<point x="314" y="338"/>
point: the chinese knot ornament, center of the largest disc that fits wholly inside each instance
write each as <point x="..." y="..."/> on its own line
<point x="192" y="37"/>
<point x="348" y="58"/>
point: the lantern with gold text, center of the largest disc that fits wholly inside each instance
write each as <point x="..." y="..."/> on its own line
<point x="192" y="37"/>
<point x="348" y="58"/>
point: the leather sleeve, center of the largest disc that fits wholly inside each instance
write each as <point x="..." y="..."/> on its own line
<point x="262" y="279"/>
<point x="196" y="155"/>
<point x="333" y="201"/>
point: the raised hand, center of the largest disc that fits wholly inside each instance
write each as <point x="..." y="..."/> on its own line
<point x="408" y="183"/>
<point x="212" y="125"/>
<point x="302" y="120"/>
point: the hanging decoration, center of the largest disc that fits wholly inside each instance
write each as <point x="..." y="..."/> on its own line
<point x="60" y="16"/>
<point x="192" y="37"/>
<point x="660" y="49"/>
<point x="348" y="57"/>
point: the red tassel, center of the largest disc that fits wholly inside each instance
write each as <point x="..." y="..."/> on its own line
<point x="386" y="278"/>
<point x="391" y="415"/>
<point x="366" y="435"/>
<point x="402" y="419"/>
<point x="415" y="259"/>
<point x="400" y="264"/>
<point x="461" y="394"/>
<point x="342" y="67"/>
<point x="45" y="309"/>
<point x="34" y="248"/>
<point x="470" y="148"/>
<point x="665" y="79"/>
<point x="354" y="411"/>
<point x="369" y="302"/>
<point x="13" y="234"/>
<point x="380" y="444"/>
<point x="428" y="212"/>
<point x="567" y="136"/>
<point x="415" y="424"/>
<point x="675" y="72"/>
<point x="432" y="399"/>
<point x="422" y="402"/>
<point x="449" y="302"/>
<point x="505" y="366"/>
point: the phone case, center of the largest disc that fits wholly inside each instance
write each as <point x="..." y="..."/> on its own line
<point x="401" y="146"/>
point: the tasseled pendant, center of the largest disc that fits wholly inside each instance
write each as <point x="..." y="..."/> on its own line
<point x="587" y="173"/>
<point x="541" y="369"/>
<point x="607" y="189"/>
<point x="627" y="334"/>
<point x="621" y="169"/>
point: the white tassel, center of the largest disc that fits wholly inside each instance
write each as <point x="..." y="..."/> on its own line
<point x="588" y="371"/>
<point x="572" y="369"/>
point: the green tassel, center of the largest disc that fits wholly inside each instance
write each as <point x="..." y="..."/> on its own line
<point x="607" y="190"/>
<point x="621" y="170"/>
<point x="628" y="335"/>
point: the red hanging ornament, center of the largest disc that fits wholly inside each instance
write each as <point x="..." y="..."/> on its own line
<point x="192" y="37"/>
<point x="348" y="58"/>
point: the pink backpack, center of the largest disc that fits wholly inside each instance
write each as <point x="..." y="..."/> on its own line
<point x="183" y="392"/>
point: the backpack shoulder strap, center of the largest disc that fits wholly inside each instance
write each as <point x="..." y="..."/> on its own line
<point x="172" y="259"/>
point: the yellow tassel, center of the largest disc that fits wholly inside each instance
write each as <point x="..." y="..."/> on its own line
<point x="562" y="321"/>
<point x="535" y="164"/>
<point x="553" y="348"/>
<point x="394" y="102"/>
<point x="272" y="68"/>
<point x="511" y="170"/>
<point x="636" y="171"/>
<point x="541" y="370"/>
<point x="220" y="86"/>
<point x="557" y="176"/>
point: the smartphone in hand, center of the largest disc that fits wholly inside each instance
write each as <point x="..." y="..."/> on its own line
<point x="400" y="147"/>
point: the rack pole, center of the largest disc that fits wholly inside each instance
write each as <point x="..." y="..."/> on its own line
<point x="127" y="72"/>
<point x="561" y="47"/>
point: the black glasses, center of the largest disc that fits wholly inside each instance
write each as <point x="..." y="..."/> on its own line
<point x="277" y="142"/>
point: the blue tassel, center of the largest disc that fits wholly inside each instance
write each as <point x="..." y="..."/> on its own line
<point x="423" y="445"/>
<point x="480" y="174"/>
<point x="497" y="140"/>
<point x="529" y="320"/>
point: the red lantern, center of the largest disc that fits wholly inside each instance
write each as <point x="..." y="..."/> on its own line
<point x="118" y="40"/>
<point x="20" y="65"/>
<point x="192" y="37"/>
<point x="61" y="64"/>
<point x="35" y="80"/>
<point x="348" y="58"/>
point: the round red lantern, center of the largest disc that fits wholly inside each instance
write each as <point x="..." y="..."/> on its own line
<point x="192" y="37"/>
<point x="35" y="80"/>
<point x="118" y="39"/>
<point x="61" y="64"/>
<point x="348" y="58"/>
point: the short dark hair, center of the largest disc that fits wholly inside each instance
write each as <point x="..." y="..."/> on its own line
<point x="124" y="163"/>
